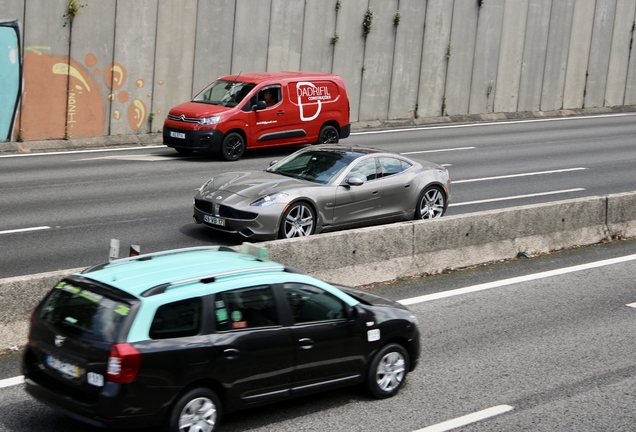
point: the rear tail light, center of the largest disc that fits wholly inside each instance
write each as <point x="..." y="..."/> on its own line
<point x="123" y="363"/>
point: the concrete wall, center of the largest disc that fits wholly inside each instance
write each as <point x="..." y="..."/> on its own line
<point x="130" y="62"/>
<point x="387" y="252"/>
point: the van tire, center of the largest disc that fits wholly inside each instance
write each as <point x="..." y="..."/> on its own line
<point x="328" y="135"/>
<point x="233" y="146"/>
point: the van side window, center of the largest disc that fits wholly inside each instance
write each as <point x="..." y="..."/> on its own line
<point x="271" y="95"/>
<point x="178" y="319"/>
<point x="246" y="308"/>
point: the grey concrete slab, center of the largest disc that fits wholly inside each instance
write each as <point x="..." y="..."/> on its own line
<point x="134" y="63"/>
<point x="348" y="56"/>
<point x="511" y="55"/>
<point x="251" y="35"/>
<point x="407" y="59"/>
<point x="319" y="27"/>
<point x="461" y="54"/>
<point x="213" y="50"/>
<point x="378" y="61"/>
<point x="487" y="48"/>
<point x="92" y="50"/>
<point x="432" y="80"/>
<point x="557" y="55"/>
<point x="534" y="55"/>
<point x="11" y="10"/>
<point x="578" y="54"/>
<point x="621" y="215"/>
<point x="630" y="86"/>
<point x="286" y="36"/>
<point x="174" y="56"/>
<point x="620" y="52"/>
<point x="600" y="49"/>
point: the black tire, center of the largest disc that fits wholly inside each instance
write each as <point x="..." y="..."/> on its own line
<point x="431" y="204"/>
<point x="200" y="408"/>
<point x="298" y="221"/>
<point x="233" y="146"/>
<point x="388" y="370"/>
<point x="184" y="151"/>
<point x="328" y="135"/>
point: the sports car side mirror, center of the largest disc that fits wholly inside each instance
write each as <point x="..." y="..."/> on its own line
<point x="355" y="181"/>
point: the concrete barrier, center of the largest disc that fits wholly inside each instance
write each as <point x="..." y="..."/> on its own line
<point x="386" y="252"/>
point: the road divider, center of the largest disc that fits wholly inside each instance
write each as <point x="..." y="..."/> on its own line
<point x="386" y="252"/>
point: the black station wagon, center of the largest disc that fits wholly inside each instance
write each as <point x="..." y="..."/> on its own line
<point x="176" y="338"/>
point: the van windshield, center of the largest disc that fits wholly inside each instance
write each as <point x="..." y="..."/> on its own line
<point x="224" y="93"/>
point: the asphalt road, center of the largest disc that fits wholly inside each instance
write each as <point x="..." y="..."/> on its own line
<point x="60" y="210"/>
<point x="546" y="351"/>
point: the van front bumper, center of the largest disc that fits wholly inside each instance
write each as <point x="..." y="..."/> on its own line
<point x="205" y="141"/>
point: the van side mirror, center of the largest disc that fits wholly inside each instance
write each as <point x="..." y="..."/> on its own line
<point x="259" y="105"/>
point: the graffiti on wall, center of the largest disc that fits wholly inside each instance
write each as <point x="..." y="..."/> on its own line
<point x="64" y="97"/>
<point x="10" y="77"/>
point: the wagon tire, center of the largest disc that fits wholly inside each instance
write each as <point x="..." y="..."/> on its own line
<point x="196" y="410"/>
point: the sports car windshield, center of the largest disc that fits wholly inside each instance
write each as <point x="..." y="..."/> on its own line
<point x="224" y="93"/>
<point x="314" y="166"/>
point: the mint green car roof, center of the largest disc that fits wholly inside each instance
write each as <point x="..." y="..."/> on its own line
<point x="138" y="274"/>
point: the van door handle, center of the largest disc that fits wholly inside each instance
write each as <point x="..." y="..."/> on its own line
<point x="281" y="112"/>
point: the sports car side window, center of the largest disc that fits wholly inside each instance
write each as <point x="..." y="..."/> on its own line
<point x="246" y="308"/>
<point x="390" y="166"/>
<point x="365" y="170"/>
<point x="311" y="304"/>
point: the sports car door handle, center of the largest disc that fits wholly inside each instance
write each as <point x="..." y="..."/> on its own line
<point x="374" y="192"/>
<point x="306" y="343"/>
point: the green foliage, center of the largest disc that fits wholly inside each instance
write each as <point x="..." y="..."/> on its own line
<point x="367" y="22"/>
<point x="396" y="19"/>
<point x="335" y="38"/>
<point x="338" y="5"/>
<point x="72" y="9"/>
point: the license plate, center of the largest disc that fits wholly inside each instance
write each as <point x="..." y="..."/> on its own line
<point x="180" y="135"/>
<point x="63" y="367"/>
<point x="213" y="220"/>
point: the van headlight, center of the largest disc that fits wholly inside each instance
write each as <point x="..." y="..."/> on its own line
<point x="209" y="120"/>
<point x="270" y="199"/>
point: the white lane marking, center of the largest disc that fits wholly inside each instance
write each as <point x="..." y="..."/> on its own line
<point x="515" y="280"/>
<point x="467" y="419"/>
<point x="137" y="157"/>
<point x="24" y="230"/>
<point x="439" y="150"/>
<point x="491" y="123"/>
<point x="633" y="305"/>
<point x="516" y="197"/>
<point x="518" y="175"/>
<point x="82" y="151"/>
<point x="11" y="381"/>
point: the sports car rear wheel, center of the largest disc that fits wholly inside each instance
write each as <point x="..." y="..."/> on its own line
<point x="298" y="221"/>
<point x="431" y="203"/>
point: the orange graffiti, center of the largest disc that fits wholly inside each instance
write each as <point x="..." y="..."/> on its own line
<point x="122" y="96"/>
<point x="46" y="105"/>
<point x="139" y="83"/>
<point x="136" y="114"/>
<point x="115" y="76"/>
<point x="90" y="60"/>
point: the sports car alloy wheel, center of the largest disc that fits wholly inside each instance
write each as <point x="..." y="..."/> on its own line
<point x="431" y="203"/>
<point x="298" y="221"/>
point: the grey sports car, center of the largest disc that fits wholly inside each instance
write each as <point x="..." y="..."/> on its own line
<point x="323" y="188"/>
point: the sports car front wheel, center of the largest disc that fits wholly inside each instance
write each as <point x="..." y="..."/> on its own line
<point x="298" y="221"/>
<point x="431" y="203"/>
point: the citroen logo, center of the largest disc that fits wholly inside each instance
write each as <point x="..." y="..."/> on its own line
<point x="59" y="340"/>
<point x="182" y="117"/>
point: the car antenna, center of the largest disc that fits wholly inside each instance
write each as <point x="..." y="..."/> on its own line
<point x="236" y="79"/>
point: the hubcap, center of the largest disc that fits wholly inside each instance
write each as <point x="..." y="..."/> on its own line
<point x="199" y="415"/>
<point x="234" y="148"/>
<point x="299" y="222"/>
<point x="390" y="372"/>
<point x="432" y="205"/>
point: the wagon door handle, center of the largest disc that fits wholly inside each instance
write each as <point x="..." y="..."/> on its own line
<point x="306" y="343"/>
<point x="231" y="352"/>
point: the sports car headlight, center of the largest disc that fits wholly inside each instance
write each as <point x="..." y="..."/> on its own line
<point x="270" y="199"/>
<point x="209" y="120"/>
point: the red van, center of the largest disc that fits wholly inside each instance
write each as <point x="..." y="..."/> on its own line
<point x="256" y="110"/>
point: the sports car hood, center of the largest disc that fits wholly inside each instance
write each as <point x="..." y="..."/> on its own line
<point x="253" y="184"/>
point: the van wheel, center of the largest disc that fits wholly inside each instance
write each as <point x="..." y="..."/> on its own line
<point x="328" y="135"/>
<point x="233" y="147"/>
<point x="197" y="410"/>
